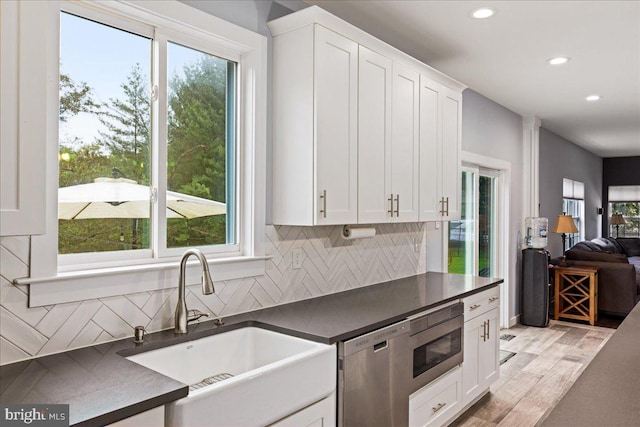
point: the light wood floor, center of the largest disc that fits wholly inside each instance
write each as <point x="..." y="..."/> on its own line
<point x="547" y="362"/>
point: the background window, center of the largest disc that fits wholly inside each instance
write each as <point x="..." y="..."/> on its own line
<point x="573" y="204"/>
<point x="625" y="200"/>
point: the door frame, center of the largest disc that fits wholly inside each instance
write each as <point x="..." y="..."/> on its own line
<point x="502" y="170"/>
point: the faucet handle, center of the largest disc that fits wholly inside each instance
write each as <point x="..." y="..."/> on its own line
<point x="193" y="315"/>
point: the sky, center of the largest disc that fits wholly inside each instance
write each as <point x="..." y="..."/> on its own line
<point x="103" y="56"/>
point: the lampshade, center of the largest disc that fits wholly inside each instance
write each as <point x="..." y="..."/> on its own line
<point x="565" y="224"/>
<point x="617" y="219"/>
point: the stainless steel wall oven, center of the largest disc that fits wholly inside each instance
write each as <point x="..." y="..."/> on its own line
<point x="378" y="371"/>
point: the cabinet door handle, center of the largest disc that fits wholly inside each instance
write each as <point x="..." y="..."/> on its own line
<point x="390" y="200"/>
<point x="484" y="331"/>
<point x="488" y="327"/>
<point x="442" y="206"/>
<point x="438" y="407"/>
<point x="474" y="306"/>
<point x="323" y="197"/>
<point x="397" y="205"/>
<point x="447" y="203"/>
<point x="492" y="299"/>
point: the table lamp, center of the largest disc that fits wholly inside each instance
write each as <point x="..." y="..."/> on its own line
<point x="564" y="226"/>
<point x="617" y="219"/>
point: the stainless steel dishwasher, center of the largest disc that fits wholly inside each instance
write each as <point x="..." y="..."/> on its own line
<point x="378" y="371"/>
<point x="373" y="377"/>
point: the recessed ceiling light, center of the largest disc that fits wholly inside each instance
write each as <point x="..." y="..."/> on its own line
<point x="593" y="98"/>
<point x="483" y="13"/>
<point x="558" y="60"/>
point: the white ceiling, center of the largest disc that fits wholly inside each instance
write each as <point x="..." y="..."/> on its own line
<point x="503" y="58"/>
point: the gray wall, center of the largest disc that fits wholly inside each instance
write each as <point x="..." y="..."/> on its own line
<point x="560" y="158"/>
<point x="492" y="130"/>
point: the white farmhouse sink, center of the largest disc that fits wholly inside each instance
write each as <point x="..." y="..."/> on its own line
<point x="272" y="375"/>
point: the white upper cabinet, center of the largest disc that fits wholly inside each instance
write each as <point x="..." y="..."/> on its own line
<point x="24" y="78"/>
<point x="405" y="140"/>
<point x="348" y="124"/>
<point x="440" y="145"/>
<point x="374" y="137"/>
<point x="315" y="89"/>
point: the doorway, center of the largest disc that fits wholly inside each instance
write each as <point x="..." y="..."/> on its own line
<point x="479" y="243"/>
<point x="472" y="241"/>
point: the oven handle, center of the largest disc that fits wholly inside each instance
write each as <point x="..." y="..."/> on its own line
<point x="428" y="335"/>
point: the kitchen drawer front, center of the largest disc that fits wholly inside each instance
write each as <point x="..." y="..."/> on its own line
<point x="438" y="402"/>
<point x="481" y="303"/>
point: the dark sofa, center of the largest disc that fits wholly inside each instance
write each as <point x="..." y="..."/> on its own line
<point x="618" y="262"/>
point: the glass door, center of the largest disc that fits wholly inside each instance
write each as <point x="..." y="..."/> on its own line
<point x="472" y="241"/>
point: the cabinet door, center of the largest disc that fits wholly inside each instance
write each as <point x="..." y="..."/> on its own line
<point x="471" y="380"/>
<point x="374" y="137"/>
<point x="489" y="351"/>
<point x="319" y="414"/>
<point x="336" y="94"/>
<point x="481" y="366"/>
<point x="405" y="143"/>
<point x="25" y="78"/>
<point x="450" y="156"/>
<point x="430" y="205"/>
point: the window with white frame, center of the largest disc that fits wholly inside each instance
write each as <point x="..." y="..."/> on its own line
<point x="111" y="142"/>
<point x="160" y="136"/>
<point x="573" y="204"/>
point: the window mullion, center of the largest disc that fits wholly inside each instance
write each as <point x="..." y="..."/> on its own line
<point x="159" y="138"/>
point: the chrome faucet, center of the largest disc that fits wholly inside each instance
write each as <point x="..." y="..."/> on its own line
<point x="184" y="316"/>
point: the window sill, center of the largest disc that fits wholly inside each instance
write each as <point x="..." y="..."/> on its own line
<point x="107" y="282"/>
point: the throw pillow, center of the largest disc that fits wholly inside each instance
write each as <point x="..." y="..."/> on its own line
<point x="596" y="256"/>
<point x="631" y="246"/>
<point x="616" y="245"/>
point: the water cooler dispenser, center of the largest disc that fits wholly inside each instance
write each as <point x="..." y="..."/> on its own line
<point x="535" y="274"/>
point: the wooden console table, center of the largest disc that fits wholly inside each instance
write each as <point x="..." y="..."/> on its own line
<point x="576" y="293"/>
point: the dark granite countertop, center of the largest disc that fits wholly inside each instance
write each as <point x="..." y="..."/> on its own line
<point x="607" y="393"/>
<point x="102" y="387"/>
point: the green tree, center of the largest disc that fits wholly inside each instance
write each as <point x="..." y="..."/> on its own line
<point x="127" y="135"/>
<point x="75" y="98"/>
<point x="197" y="147"/>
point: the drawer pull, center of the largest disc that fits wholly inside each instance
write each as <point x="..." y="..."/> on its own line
<point x="438" y="407"/>
<point x="492" y="299"/>
<point x="474" y="306"/>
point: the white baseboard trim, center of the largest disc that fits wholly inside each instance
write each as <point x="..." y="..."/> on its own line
<point x="514" y="320"/>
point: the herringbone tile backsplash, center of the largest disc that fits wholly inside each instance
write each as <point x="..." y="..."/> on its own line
<point x="330" y="264"/>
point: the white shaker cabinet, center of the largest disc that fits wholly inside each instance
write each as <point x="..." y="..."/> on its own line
<point x="362" y="132"/>
<point x="374" y="137"/>
<point x="405" y="143"/>
<point x="315" y="89"/>
<point x="437" y="403"/>
<point x="388" y="143"/>
<point x="481" y="366"/>
<point x="319" y="414"/>
<point x="440" y="145"/>
<point x="24" y="80"/>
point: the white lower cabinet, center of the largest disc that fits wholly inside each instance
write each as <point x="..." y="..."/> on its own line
<point x="151" y="418"/>
<point x="481" y="366"/>
<point x="320" y="414"/>
<point x="438" y="402"/>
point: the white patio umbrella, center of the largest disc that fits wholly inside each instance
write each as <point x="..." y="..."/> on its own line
<point x="124" y="198"/>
